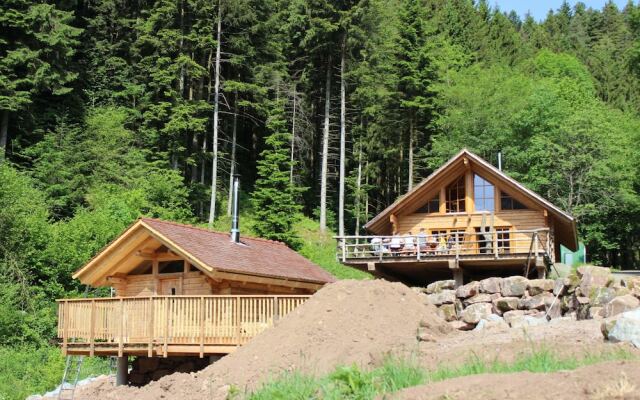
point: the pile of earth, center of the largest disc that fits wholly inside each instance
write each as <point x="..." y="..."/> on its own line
<point x="347" y="322"/>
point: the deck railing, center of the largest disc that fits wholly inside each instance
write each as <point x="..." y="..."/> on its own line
<point x="169" y="320"/>
<point x="494" y="244"/>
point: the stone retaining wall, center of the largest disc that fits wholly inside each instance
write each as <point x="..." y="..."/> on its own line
<point x="590" y="292"/>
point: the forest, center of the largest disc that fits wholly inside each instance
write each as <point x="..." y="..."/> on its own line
<point x="328" y="110"/>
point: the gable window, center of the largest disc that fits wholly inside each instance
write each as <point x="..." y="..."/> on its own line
<point x="509" y="203"/>
<point x="432" y="206"/>
<point x="455" y="196"/>
<point x="483" y="194"/>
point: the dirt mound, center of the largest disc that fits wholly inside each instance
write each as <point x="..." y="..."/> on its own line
<point x="345" y="322"/>
<point x="610" y="380"/>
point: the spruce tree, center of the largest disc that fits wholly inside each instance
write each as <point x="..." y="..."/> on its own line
<point x="274" y="197"/>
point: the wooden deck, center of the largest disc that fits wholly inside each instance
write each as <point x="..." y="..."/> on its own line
<point x="419" y="259"/>
<point x="167" y="325"/>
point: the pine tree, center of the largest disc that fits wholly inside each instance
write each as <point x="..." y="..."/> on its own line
<point x="36" y="42"/>
<point x="274" y="197"/>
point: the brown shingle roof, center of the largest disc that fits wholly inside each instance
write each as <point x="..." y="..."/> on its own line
<point x="252" y="256"/>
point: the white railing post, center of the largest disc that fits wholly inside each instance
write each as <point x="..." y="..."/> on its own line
<point x="344" y="249"/>
<point x="417" y="247"/>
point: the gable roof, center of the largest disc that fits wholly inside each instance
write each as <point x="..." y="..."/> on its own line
<point x="211" y="252"/>
<point x="564" y="219"/>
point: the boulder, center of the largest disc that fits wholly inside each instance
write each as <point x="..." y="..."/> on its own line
<point x="461" y="325"/>
<point x="492" y="322"/>
<point x="624" y="328"/>
<point x="621" y="304"/>
<point x="537" y="286"/>
<point x="475" y="312"/>
<point x="425" y="335"/>
<point x="560" y="270"/>
<point x="513" y="286"/>
<point x="434" y="324"/>
<point x="504" y="304"/>
<point x="600" y="296"/>
<point x="596" y="312"/>
<point x="559" y="285"/>
<point x="593" y="277"/>
<point x="510" y="316"/>
<point x="479" y="298"/>
<point x="537" y="302"/>
<point x="439" y="286"/>
<point x="442" y="297"/>
<point x="468" y="290"/>
<point x="448" y="312"/>
<point x="554" y="310"/>
<point x="490" y="285"/>
<point x="631" y="282"/>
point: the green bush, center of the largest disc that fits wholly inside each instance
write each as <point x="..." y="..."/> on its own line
<point x="36" y="370"/>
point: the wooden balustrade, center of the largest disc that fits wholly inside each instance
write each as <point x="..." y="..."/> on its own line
<point x="169" y="320"/>
<point x="494" y="244"/>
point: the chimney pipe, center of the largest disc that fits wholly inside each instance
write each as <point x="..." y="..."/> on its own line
<point x="235" y="222"/>
<point x="500" y="160"/>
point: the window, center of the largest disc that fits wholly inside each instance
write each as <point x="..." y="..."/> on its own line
<point x="483" y="194"/>
<point x="455" y="196"/>
<point x="433" y="206"/>
<point x="509" y="203"/>
<point x="503" y="239"/>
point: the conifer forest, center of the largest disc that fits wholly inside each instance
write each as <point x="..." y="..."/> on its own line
<point x="327" y="109"/>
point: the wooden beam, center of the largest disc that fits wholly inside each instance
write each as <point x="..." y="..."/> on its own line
<point x="160" y="256"/>
<point x="155" y="270"/>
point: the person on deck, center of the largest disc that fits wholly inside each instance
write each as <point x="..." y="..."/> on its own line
<point x="409" y="244"/>
<point x="422" y="241"/>
<point x="442" y="244"/>
<point x="376" y="245"/>
<point x="396" y="244"/>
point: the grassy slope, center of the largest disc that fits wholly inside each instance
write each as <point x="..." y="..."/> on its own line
<point x="395" y="374"/>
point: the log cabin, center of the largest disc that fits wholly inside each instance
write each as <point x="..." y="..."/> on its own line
<point x="180" y="290"/>
<point x="467" y="220"/>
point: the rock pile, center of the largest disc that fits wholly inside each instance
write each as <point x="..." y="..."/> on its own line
<point x="589" y="293"/>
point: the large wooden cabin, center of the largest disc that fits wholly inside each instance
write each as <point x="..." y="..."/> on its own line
<point x="467" y="220"/>
<point x="180" y="290"/>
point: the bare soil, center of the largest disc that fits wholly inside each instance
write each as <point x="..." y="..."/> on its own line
<point x="361" y="322"/>
<point x="348" y="322"/>
<point x="604" y="381"/>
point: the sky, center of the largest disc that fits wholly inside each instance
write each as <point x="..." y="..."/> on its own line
<point x="539" y="8"/>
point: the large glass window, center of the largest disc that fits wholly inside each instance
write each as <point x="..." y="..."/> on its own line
<point x="483" y="194"/>
<point x="455" y="196"/>
<point x="433" y="206"/>
<point x="509" y="203"/>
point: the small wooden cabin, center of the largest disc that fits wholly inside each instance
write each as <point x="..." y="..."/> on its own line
<point x="468" y="220"/>
<point x="180" y="290"/>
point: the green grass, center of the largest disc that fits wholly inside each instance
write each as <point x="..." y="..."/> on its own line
<point x="29" y="370"/>
<point x="321" y="249"/>
<point x="351" y="382"/>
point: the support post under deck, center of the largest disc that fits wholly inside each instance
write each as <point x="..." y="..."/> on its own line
<point x="122" y="371"/>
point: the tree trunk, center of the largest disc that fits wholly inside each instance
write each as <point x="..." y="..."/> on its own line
<point x="4" y="134"/>
<point x="216" y="95"/>
<point x="232" y="170"/>
<point x="343" y="134"/>
<point x="358" y="188"/>
<point x="411" y="139"/>
<point x="293" y="136"/>
<point x="325" y="151"/>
